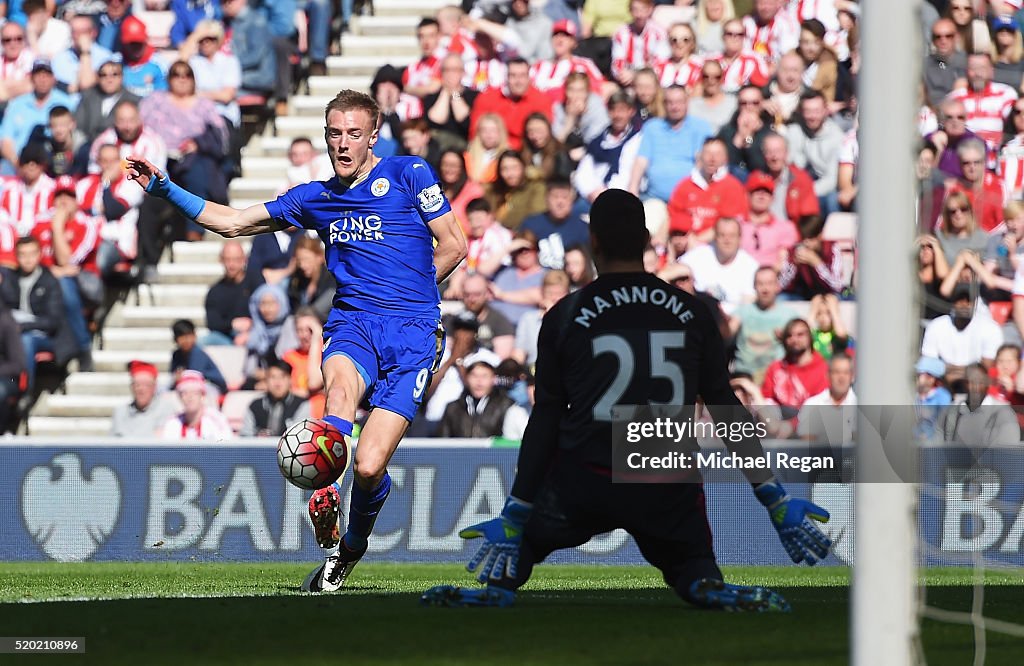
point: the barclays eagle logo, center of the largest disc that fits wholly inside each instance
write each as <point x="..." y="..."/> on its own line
<point x="69" y="514"/>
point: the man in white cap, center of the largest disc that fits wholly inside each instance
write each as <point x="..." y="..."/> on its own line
<point x="198" y="421"/>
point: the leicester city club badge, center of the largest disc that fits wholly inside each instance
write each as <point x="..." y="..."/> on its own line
<point x="380" y="187"/>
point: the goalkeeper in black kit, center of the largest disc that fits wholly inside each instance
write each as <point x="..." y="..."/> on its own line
<point x="627" y="338"/>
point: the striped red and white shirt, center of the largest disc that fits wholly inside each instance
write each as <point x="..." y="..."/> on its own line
<point x="636" y="51"/>
<point x="461" y="42"/>
<point x="823" y="10"/>
<point x="21" y="205"/>
<point x="747" y="67"/>
<point x="17" y="69"/>
<point x="484" y="74"/>
<point x="1011" y="168"/>
<point x="8" y="237"/>
<point x="409" y="107"/>
<point x="778" y="36"/>
<point x="684" y="73"/>
<point x="148" y="144"/>
<point x="549" y="76"/>
<point x="122" y="231"/>
<point x="987" y="110"/>
<point x="83" y="235"/>
<point x="422" y="73"/>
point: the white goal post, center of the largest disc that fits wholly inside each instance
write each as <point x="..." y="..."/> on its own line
<point x="883" y="595"/>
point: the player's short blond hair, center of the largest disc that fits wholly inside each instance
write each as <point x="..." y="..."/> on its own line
<point x="349" y="100"/>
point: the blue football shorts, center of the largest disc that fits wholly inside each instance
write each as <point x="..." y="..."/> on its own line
<point x="396" y="356"/>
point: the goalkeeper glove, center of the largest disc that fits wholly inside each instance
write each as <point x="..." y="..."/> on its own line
<point x="499" y="552"/>
<point x="792" y="520"/>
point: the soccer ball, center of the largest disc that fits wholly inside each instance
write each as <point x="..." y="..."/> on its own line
<point x="312" y="454"/>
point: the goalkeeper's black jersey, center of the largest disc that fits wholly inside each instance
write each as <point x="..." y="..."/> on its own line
<point x="625" y="339"/>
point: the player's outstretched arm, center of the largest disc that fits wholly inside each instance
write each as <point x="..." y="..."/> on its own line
<point x="224" y="220"/>
<point x="451" y="245"/>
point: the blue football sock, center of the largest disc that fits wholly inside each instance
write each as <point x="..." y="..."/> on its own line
<point x="363" y="510"/>
<point x="343" y="426"/>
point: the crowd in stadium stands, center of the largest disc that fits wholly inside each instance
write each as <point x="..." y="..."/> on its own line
<point x="738" y="131"/>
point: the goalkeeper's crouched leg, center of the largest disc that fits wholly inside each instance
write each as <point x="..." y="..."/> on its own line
<point x="700" y="583"/>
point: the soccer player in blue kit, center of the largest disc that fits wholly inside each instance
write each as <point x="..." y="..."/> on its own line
<point x="379" y="219"/>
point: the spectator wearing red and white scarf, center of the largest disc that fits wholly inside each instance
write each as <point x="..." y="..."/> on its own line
<point x="642" y="43"/>
<point x="740" y="65"/>
<point x="549" y="76"/>
<point x="771" y="30"/>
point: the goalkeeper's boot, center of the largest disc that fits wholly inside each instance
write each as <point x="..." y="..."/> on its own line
<point x="332" y="574"/>
<point x="716" y="594"/>
<point x="324" y="509"/>
<point x="451" y="596"/>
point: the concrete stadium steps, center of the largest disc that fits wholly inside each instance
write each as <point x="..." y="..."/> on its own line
<point x="356" y="65"/>
<point x="117" y="360"/>
<point x="386" y="25"/>
<point x="245" y="203"/>
<point x="289" y="127"/>
<point x="277" y="146"/>
<point x="145" y="316"/>
<point x="260" y="166"/>
<point x="205" y="251"/>
<point x="329" y="86"/>
<point x="310" y="105"/>
<point x="263" y="189"/>
<point x="78" y="405"/>
<point x="56" y="426"/>
<point x="384" y="47"/>
<point x="106" y="383"/>
<point x="174" y="295"/>
<point x="150" y="338"/>
<point x="417" y="8"/>
<point x="188" y="273"/>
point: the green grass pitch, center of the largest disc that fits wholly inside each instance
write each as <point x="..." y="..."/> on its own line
<point x="254" y="614"/>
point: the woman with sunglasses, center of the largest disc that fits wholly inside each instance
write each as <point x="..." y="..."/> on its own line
<point x="684" y="65"/>
<point x="712" y="105"/>
<point x="958" y="229"/>
<point x="740" y="65"/>
<point x="195" y="134"/>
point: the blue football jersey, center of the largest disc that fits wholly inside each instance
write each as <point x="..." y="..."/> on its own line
<point x="379" y="247"/>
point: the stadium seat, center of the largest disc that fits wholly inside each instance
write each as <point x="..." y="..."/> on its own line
<point x="236" y="403"/>
<point x="230" y="360"/>
<point x="1000" y="311"/>
<point x="257" y="110"/>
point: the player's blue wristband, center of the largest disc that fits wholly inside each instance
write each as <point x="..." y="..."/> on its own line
<point x="516" y="511"/>
<point x="189" y="204"/>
